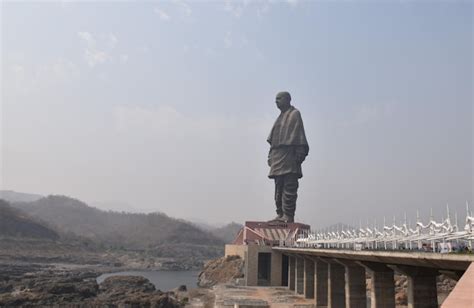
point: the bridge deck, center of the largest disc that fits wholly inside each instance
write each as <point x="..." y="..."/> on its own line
<point x="425" y="259"/>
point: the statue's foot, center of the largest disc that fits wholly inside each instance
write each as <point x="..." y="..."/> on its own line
<point x="288" y="219"/>
<point x="278" y="218"/>
<point x="283" y="218"/>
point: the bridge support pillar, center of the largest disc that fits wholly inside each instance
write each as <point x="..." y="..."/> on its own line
<point x="321" y="283"/>
<point x="382" y="291"/>
<point x="276" y="268"/>
<point x="291" y="272"/>
<point x="336" y="284"/>
<point x="299" y="275"/>
<point x="422" y="290"/>
<point x="308" y="278"/>
<point x="356" y="293"/>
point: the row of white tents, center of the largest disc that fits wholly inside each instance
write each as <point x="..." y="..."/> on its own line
<point x="442" y="236"/>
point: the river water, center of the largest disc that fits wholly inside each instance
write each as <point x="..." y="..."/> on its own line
<point x="163" y="280"/>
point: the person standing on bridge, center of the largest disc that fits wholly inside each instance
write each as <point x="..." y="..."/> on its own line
<point x="288" y="150"/>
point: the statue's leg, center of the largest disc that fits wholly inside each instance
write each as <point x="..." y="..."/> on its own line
<point x="279" y="194"/>
<point x="290" y="194"/>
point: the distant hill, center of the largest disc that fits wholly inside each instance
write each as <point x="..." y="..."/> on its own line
<point x="116" y="206"/>
<point x="228" y="232"/>
<point x="13" y="196"/>
<point x="119" y="229"/>
<point x="204" y="225"/>
<point x="15" y="223"/>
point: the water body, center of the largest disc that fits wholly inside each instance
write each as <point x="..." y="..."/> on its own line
<point x="163" y="280"/>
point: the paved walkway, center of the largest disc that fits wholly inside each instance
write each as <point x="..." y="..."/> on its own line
<point x="239" y="296"/>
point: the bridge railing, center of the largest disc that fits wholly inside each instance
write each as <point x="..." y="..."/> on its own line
<point x="443" y="236"/>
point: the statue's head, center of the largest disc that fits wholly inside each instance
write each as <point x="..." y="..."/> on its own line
<point x="283" y="100"/>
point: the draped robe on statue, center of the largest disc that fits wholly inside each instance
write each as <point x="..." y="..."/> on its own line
<point x="288" y="149"/>
<point x="288" y="145"/>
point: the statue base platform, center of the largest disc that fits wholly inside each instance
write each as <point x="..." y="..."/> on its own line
<point x="269" y="233"/>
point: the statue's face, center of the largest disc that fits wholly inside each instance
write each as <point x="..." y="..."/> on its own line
<point x="282" y="101"/>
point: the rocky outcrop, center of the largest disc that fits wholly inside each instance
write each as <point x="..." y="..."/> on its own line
<point x="222" y="270"/>
<point x="134" y="291"/>
<point x="23" y="285"/>
<point x="120" y="284"/>
<point x="35" y="285"/>
<point x="445" y="284"/>
<point x="401" y="283"/>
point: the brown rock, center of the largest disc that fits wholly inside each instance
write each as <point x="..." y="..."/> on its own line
<point x="126" y="283"/>
<point x="222" y="270"/>
<point x="401" y="298"/>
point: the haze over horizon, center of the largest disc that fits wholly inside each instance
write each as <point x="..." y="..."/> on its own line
<point x="166" y="106"/>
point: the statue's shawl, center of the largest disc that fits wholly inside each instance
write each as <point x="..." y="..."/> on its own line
<point x="288" y="130"/>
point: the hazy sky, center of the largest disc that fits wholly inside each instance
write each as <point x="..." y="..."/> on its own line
<point x="166" y="106"/>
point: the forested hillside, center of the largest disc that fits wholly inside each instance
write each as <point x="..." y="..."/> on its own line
<point x="15" y="223"/>
<point x="128" y="230"/>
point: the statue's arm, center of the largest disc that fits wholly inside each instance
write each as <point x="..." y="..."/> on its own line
<point x="269" y="159"/>
<point x="301" y="152"/>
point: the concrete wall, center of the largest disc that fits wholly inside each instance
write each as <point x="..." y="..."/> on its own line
<point x="249" y="253"/>
<point x="235" y="250"/>
<point x="251" y="265"/>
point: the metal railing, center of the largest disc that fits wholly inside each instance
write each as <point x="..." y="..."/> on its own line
<point x="444" y="236"/>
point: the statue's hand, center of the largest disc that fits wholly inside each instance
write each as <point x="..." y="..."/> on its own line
<point x="300" y="157"/>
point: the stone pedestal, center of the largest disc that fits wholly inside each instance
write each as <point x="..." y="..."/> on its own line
<point x="268" y="233"/>
<point x="263" y="266"/>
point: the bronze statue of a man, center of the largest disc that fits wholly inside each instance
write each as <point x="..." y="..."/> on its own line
<point x="288" y="149"/>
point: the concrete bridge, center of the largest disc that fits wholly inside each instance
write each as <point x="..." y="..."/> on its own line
<point x="336" y="277"/>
